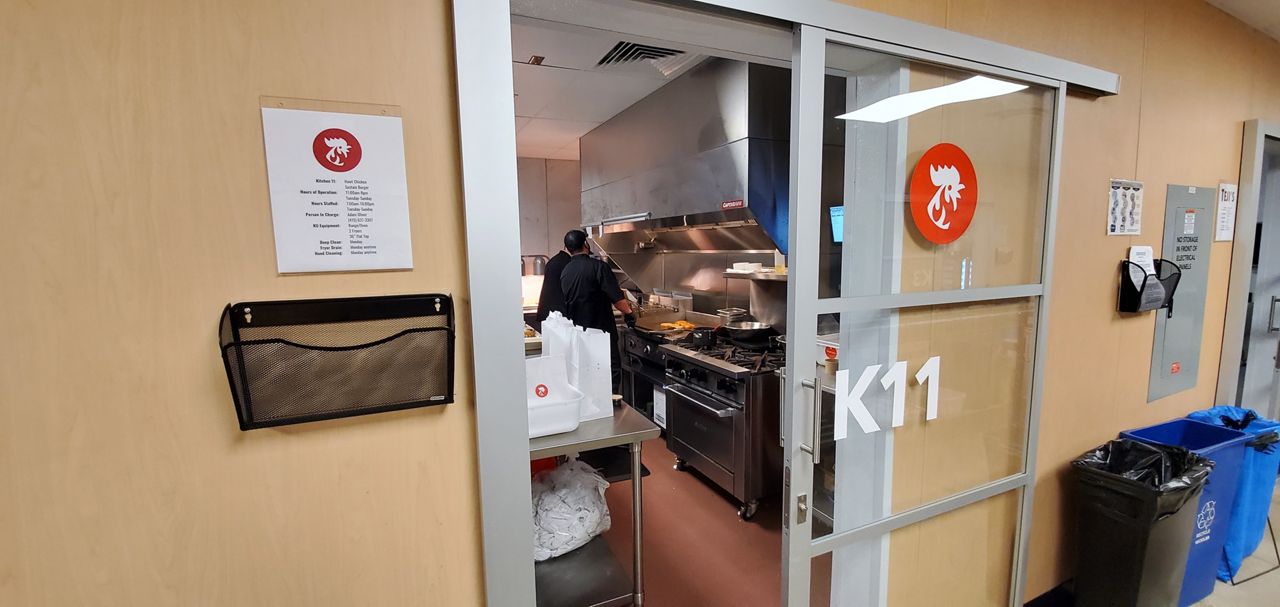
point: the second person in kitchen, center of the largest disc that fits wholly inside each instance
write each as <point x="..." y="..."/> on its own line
<point x="591" y="293"/>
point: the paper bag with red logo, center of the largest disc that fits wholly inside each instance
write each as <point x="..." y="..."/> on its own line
<point x="553" y="403"/>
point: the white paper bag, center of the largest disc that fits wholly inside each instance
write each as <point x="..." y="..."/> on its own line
<point x="589" y="372"/>
<point x="557" y="336"/>
<point x="554" y="405"/>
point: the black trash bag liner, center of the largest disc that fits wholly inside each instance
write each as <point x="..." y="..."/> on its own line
<point x="1174" y="473"/>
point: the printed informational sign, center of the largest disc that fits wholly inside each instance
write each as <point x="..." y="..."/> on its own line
<point x="1225" y="226"/>
<point x="944" y="193"/>
<point x="338" y="196"/>
<point x="1124" y="208"/>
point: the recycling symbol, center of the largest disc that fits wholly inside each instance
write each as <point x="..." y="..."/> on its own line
<point x="1204" y="520"/>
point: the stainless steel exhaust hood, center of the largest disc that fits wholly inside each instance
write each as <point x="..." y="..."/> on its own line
<point x="703" y="158"/>
<point x="701" y="166"/>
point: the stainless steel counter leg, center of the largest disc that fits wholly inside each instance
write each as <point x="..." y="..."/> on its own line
<point x="636" y="536"/>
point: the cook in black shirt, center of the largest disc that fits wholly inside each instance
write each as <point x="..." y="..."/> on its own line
<point x="552" y="297"/>
<point x="591" y="293"/>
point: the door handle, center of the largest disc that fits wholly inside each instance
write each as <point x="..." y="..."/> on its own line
<point x="815" y="424"/>
<point x="1271" y="318"/>
<point x="712" y="410"/>
<point x="782" y="406"/>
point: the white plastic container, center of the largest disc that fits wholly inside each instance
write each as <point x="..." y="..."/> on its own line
<point x="553" y="404"/>
<point x="553" y="417"/>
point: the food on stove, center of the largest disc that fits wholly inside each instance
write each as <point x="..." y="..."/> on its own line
<point x="682" y="325"/>
<point x="529" y="332"/>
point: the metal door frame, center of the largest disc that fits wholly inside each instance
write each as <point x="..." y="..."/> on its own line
<point x="482" y="49"/>
<point x="804" y="305"/>
<point x="1256" y="133"/>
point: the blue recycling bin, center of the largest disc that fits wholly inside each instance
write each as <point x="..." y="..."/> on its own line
<point x="1257" y="484"/>
<point x="1226" y="448"/>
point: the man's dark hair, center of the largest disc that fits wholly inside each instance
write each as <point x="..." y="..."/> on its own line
<point x="575" y="241"/>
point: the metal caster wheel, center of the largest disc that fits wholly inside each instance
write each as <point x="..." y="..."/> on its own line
<point x="681" y="465"/>
<point x="748" y="510"/>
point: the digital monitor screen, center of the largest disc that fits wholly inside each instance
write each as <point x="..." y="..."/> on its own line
<point x="837" y="224"/>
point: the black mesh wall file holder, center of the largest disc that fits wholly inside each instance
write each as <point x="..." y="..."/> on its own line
<point x="1141" y="291"/>
<point x="290" y="362"/>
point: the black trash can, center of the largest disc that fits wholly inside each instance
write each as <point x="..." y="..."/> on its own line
<point x="1133" y="531"/>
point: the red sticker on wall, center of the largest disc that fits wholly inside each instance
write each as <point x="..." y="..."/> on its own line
<point x="944" y="193"/>
<point x="336" y="150"/>
<point x="1175" y="368"/>
<point x="541" y="390"/>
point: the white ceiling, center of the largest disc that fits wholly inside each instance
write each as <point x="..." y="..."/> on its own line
<point x="566" y="96"/>
<point x="1260" y="14"/>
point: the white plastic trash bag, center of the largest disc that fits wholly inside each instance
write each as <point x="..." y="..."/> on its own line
<point x="568" y="509"/>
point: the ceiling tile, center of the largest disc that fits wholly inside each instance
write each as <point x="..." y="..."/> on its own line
<point x="536" y="86"/>
<point x="598" y="96"/>
<point x="1261" y="14"/>
<point x="561" y="46"/>
<point x="521" y="121"/>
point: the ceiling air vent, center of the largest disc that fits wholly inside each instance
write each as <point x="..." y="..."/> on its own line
<point x="630" y="52"/>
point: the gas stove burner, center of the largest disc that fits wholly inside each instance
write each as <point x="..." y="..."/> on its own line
<point x="751" y="357"/>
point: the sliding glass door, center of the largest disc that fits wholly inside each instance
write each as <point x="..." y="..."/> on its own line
<point x="921" y="215"/>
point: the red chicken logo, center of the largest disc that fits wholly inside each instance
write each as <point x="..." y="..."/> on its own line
<point x="944" y="193"/>
<point x="336" y="150"/>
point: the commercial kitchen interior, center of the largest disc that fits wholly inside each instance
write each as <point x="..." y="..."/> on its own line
<point x="139" y="204"/>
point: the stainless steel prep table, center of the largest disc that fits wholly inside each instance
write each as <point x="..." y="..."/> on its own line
<point x="590" y="576"/>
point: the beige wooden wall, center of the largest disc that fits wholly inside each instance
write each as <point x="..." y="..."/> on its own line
<point x="1191" y="75"/>
<point x="134" y="207"/>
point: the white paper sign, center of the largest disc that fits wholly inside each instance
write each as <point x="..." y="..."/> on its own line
<point x="1124" y="208"/>
<point x="338" y="195"/>
<point x="1225" y="226"/>
<point x="1143" y="258"/>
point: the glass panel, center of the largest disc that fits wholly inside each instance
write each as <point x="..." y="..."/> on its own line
<point x="963" y="557"/>
<point x="902" y="213"/>
<point x="975" y="359"/>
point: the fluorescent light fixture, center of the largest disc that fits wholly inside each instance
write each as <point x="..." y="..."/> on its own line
<point x="906" y="104"/>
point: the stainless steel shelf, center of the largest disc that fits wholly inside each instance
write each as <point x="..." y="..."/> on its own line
<point x="591" y="576"/>
<point x="587" y="577"/>
<point x="774" y="276"/>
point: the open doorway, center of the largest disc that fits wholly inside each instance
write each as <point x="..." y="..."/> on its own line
<point x="1249" y="375"/>
<point x="653" y="145"/>
<point x="1259" y="374"/>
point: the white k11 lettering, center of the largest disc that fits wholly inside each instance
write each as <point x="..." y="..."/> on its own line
<point x="849" y="400"/>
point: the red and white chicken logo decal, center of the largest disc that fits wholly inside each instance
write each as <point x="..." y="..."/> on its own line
<point x="944" y="193"/>
<point x="336" y="150"/>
